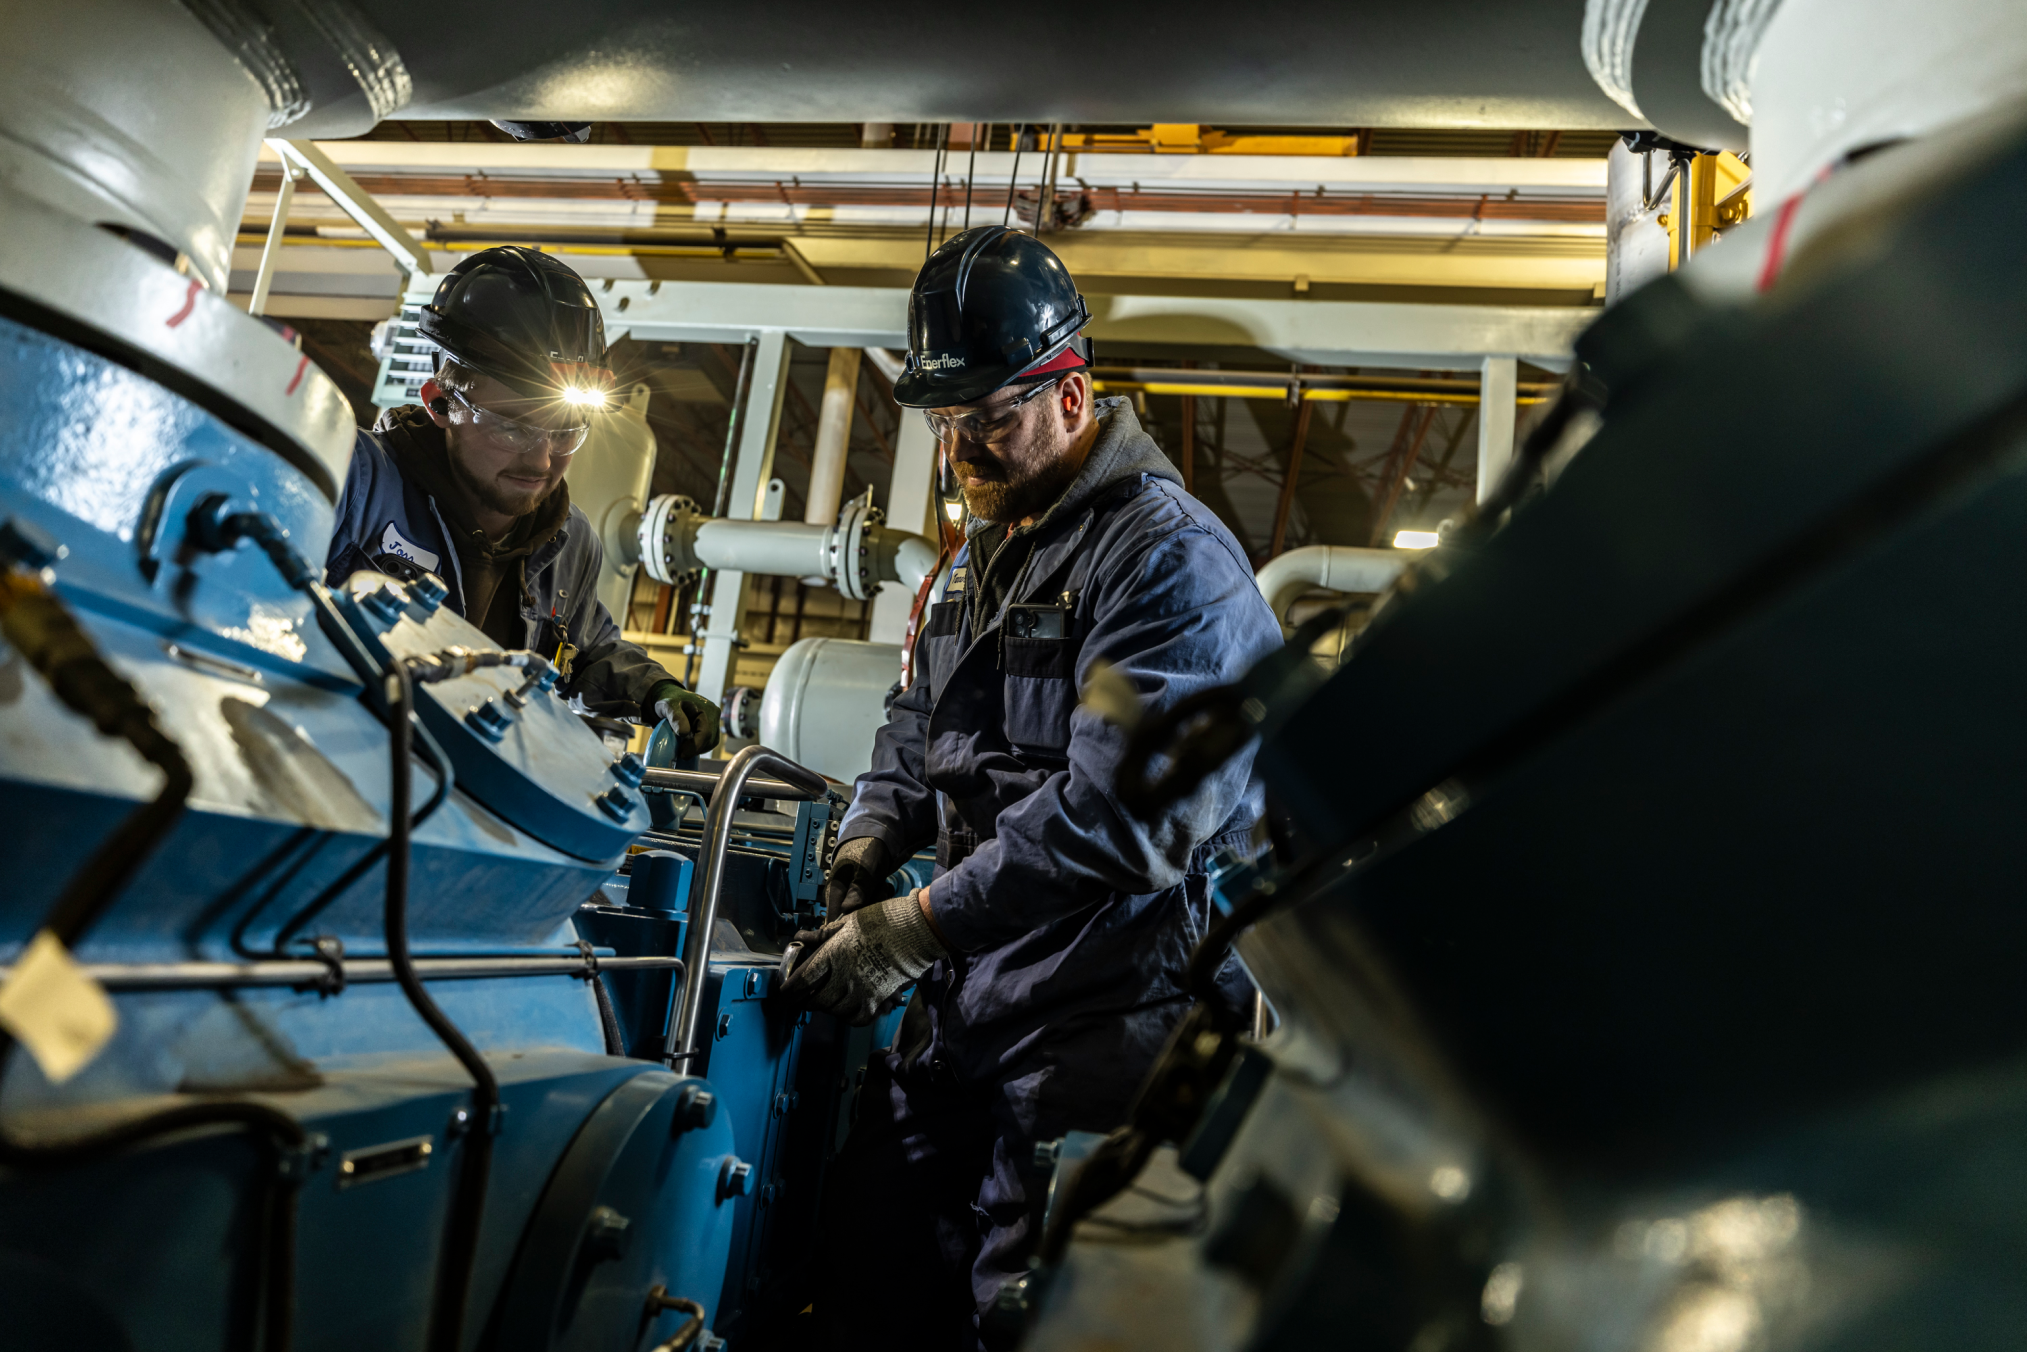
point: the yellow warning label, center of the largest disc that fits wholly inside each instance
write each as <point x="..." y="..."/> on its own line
<point x="55" y="1009"/>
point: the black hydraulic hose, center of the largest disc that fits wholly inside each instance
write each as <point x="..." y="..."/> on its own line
<point x="461" y="1240"/>
<point x="721" y="499"/>
<point x="215" y="531"/>
<point x="42" y="630"/>
<point x="935" y="190"/>
<point x="1013" y="179"/>
<point x="970" y="172"/>
<point x="48" y="637"/>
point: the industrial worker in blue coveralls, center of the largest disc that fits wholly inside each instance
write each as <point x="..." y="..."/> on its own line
<point x="1050" y="947"/>
<point x="469" y="486"/>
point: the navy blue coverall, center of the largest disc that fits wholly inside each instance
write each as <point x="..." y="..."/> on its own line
<point x="388" y="521"/>
<point x="1071" y="919"/>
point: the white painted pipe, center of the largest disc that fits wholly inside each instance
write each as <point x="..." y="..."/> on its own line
<point x="1334" y="567"/>
<point x="856" y="555"/>
<point x="913" y="561"/>
<point x="833" y="438"/>
<point x="783" y="548"/>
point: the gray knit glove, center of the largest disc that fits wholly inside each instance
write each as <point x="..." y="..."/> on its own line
<point x="854" y="965"/>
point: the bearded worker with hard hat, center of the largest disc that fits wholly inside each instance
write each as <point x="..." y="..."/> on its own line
<point x="469" y="486"/>
<point x="1050" y="947"/>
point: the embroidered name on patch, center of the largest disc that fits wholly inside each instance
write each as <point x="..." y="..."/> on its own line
<point x="393" y="542"/>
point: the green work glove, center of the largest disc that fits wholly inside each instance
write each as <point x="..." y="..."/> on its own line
<point x="691" y="717"/>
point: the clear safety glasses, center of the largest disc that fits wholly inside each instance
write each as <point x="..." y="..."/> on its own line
<point x="985" y="426"/>
<point x="523" y="437"/>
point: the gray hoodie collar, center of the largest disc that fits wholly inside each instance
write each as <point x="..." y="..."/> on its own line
<point x="1123" y="451"/>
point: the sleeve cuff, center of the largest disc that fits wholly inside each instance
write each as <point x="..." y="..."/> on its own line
<point x="876" y="830"/>
<point x="952" y="917"/>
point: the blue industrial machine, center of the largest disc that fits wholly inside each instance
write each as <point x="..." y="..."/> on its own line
<point x="1663" y="994"/>
<point x="352" y="995"/>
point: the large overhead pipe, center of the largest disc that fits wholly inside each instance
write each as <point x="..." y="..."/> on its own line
<point x="855" y="555"/>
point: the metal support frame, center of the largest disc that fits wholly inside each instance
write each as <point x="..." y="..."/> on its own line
<point x="1288" y="484"/>
<point x="752" y="467"/>
<point x="270" y="254"/>
<point x="1416" y="420"/>
<point x="355" y="202"/>
<point x="910" y="499"/>
<point x="1497" y="405"/>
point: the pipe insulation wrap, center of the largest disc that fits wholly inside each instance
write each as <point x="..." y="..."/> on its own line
<point x="1731" y="42"/>
<point x="1334" y="567"/>
<point x="1609" y="31"/>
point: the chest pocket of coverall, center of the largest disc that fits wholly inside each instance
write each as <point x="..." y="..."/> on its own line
<point x="936" y="645"/>
<point x="1039" y="664"/>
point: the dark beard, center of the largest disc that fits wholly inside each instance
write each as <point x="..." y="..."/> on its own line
<point x="492" y="496"/>
<point x="1027" y="492"/>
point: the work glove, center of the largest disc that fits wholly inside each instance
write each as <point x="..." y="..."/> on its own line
<point x="692" y="718"/>
<point x="852" y="967"/>
<point x="858" y="876"/>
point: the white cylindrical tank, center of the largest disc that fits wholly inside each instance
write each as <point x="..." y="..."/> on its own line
<point x="609" y="478"/>
<point x="825" y="700"/>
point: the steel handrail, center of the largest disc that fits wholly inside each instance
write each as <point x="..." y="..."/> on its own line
<point x="681" y="1044"/>
<point x="143" y="976"/>
<point x="704" y="785"/>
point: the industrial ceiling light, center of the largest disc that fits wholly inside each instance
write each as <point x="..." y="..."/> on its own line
<point x="1415" y="539"/>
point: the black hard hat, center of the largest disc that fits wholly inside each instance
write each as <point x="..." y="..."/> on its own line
<point x="521" y="317"/>
<point x="990" y="306"/>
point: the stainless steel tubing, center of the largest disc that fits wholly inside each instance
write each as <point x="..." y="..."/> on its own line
<point x="710" y="880"/>
<point x="156" y="976"/>
<point x="704" y="784"/>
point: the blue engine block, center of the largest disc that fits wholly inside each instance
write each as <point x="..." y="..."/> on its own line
<point x="246" y="960"/>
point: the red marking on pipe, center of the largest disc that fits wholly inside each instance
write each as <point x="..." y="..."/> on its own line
<point x="301" y="367"/>
<point x="1777" y="244"/>
<point x="189" y="303"/>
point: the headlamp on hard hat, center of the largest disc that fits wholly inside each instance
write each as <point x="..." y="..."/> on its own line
<point x="526" y="320"/>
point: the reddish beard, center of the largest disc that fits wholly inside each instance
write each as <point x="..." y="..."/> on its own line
<point x="1027" y="483"/>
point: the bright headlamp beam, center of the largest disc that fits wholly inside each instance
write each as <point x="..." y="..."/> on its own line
<point x="1415" y="539"/>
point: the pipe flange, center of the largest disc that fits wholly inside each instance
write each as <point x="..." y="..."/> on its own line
<point x="851" y="552"/>
<point x="667" y="536"/>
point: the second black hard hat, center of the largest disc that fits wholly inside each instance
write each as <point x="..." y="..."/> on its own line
<point x="989" y="307"/>
<point x="521" y="317"/>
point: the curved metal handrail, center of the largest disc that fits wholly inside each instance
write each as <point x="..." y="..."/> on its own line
<point x="709" y="881"/>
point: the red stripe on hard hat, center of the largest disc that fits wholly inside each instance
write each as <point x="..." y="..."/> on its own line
<point x="1066" y="360"/>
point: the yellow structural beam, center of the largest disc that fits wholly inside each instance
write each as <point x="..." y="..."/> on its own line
<point x="1281" y="392"/>
<point x="1190" y="138"/>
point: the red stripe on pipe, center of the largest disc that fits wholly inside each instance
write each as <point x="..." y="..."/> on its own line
<point x="189" y="303"/>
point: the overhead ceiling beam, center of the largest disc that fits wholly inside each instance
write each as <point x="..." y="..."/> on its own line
<point x="1313" y="332"/>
